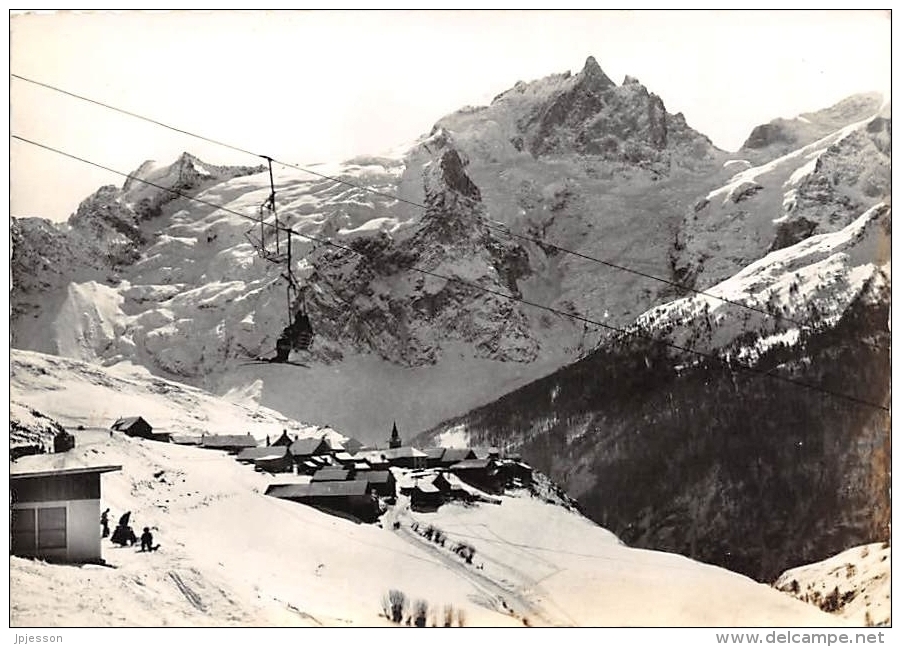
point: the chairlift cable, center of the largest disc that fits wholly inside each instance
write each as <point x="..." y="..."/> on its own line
<point x="491" y="225"/>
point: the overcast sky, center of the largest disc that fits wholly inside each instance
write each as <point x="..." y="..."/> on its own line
<point x="323" y="86"/>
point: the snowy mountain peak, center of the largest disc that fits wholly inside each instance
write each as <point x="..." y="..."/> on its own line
<point x="779" y="136"/>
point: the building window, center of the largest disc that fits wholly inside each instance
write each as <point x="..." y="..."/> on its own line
<point x="52" y="527"/>
<point x="23" y="531"/>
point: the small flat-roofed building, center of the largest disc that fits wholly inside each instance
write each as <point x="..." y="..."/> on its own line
<point x="56" y="512"/>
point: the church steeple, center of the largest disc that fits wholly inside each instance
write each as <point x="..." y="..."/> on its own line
<point x="395" y="441"/>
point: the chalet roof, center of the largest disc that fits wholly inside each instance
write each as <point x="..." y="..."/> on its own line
<point x="185" y="440"/>
<point x="401" y="452"/>
<point x="472" y="464"/>
<point x="331" y="474"/>
<point x="373" y="456"/>
<point x="126" y="423"/>
<point x="227" y="440"/>
<point x="19" y="471"/>
<point x="435" y="453"/>
<point x="486" y="452"/>
<point x="284" y="439"/>
<point x="426" y="488"/>
<point x="256" y="453"/>
<point x="454" y="455"/>
<point x="344" y="456"/>
<point x="322" y="489"/>
<point x="333" y="445"/>
<point x="308" y="446"/>
<point x="374" y="476"/>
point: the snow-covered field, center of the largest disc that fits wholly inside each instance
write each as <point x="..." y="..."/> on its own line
<point x="232" y="556"/>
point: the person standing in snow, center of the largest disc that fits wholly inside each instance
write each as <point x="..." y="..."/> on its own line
<point x="146" y="540"/>
<point x="104" y="522"/>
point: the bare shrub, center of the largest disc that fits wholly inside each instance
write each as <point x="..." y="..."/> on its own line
<point x="420" y="612"/>
<point x="394" y="605"/>
<point x="461" y="617"/>
<point x="448" y="615"/>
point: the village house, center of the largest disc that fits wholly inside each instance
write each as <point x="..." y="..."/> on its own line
<point x="272" y="459"/>
<point x="233" y="444"/>
<point x="486" y="452"/>
<point x="347" y="499"/>
<point x="425" y="497"/>
<point x="480" y="473"/>
<point x="514" y="473"/>
<point x="433" y="456"/>
<point x="374" y="458"/>
<point x="382" y="483"/>
<point x="408" y="457"/>
<point x="453" y="455"/>
<point x="137" y="427"/>
<point x="56" y="512"/>
<point x="310" y="454"/>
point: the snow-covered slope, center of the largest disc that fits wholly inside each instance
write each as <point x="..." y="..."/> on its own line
<point x="287" y="564"/>
<point x="818" y="188"/>
<point x="806" y="286"/>
<point x="855" y="584"/>
<point x="771" y="140"/>
<point x="79" y="393"/>
<point x="673" y="448"/>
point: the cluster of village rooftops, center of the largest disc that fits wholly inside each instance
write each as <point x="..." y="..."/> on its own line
<point x="354" y="481"/>
<point x="55" y="502"/>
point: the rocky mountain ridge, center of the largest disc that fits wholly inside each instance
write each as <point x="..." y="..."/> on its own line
<point x="573" y="161"/>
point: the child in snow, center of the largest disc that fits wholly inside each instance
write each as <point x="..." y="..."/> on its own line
<point x="147" y="540"/>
